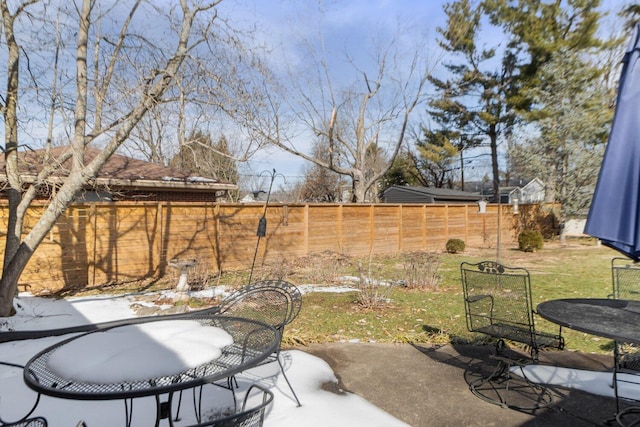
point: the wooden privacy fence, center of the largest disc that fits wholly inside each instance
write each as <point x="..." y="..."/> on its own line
<point x="102" y="243"/>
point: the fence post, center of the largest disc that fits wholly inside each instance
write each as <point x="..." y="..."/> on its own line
<point x="424" y="226"/>
<point x="372" y="228"/>
<point x="93" y="238"/>
<point x="340" y="213"/>
<point x="466" y="223"/>
<point x="400" y="227"/>
<point x="446" y="222"/>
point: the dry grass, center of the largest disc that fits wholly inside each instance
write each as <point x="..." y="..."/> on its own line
<point x="423" y="302"/>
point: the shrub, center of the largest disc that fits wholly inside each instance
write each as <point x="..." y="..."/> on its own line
<point x="373" y="293"/>
<point x="530" y="240"/>
<point x="421" y="270"/>
<point x="455" y="246"/>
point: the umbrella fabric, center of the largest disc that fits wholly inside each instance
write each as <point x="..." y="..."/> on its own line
<point x="614" y="216"/>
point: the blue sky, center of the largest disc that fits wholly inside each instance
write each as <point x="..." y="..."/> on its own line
<point x="351" y="26"/>
<point x="344" y="26"/>
<point x="348" y="25"/>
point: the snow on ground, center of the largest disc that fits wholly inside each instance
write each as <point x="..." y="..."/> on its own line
<point x="306" y="372"/>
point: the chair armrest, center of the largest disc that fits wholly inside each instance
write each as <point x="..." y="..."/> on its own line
<point x="477" y="298"/>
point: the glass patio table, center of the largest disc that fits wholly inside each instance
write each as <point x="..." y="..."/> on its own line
<point x="154" y="357"/>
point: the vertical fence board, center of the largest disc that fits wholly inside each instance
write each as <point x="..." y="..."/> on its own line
<point x="412" y="228"/>
<point x="356" y="231"/>
<point x="324" y="228"/>
<point x="386" y="229"/>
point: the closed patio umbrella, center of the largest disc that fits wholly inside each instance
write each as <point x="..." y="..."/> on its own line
<point x="614" y="216"/>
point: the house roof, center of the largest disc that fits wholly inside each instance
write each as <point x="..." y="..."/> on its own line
<point x="118" y="171"/>
<point x="435" y="194"/>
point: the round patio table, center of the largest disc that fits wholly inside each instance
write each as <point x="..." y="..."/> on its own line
<point x="604" y="317"/>
<point x="609" y="318"/>
<point x="237" y="345"/>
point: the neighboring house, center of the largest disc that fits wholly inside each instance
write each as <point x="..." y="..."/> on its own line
<point x="397" y="194"/>
<point x="261" y="196"/>
<point x="258" y="196"/>
<point x="532" y="192"/>
<point x="123" y="178"/>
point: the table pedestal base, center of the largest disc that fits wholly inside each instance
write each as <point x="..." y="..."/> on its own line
<point x="505" y="388"/>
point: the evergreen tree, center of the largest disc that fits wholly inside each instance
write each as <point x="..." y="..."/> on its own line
<point x="441" y="156"/>
<point x="491" y="90"/>
<point x="475" y="100"/>
<point x="403" y="172"/>
<point x="573" y="126"/>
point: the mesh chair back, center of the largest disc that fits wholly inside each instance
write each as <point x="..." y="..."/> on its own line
<point x="496" y="294"/>
<point x="498" y="303"/>
<point x="246" y="417"/>
<point x="625" y="277"/>
<point x="268" y="305"/>
<point x="25" y="421"/>
<point x="293" y="294"/>
<point x="274" y="302"/>
<point x="31" y="422"/>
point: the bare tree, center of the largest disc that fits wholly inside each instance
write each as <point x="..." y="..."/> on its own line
<point x="320" y="184"/>
<point x="368" y="115"/>
<point x="123" y="70"/>
<point x="217" y="92"/>
<point x="207" y="158"/>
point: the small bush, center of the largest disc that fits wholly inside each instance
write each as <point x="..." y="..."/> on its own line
<point x="455" y="246"/>
<point x="421" y="270"/>
<point x="530" y="240"/>
<point x="373" y="293"/>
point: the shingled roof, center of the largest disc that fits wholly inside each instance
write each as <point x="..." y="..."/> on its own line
<point x="119" y="171"/>
<point x="121" y="178"/>
<point x="408" y="194"/>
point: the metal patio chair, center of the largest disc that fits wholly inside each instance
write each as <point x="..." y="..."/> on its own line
<point x="497" y="301"/>
<point x="29" y="422"/>
<point x="25" y="421"/>
<point x="625" y="278"/>
<point x="275" y="302"/>
<point x="245" y="417"/>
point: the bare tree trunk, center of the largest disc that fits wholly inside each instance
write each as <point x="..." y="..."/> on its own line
<point x="151" y="90"/>
<point x="14" y="227"/>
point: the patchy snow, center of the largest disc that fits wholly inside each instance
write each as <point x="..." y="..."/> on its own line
<point x="307" y="373"/>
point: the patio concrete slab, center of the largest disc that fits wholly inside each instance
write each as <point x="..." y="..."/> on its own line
<point x="425" y="385"/>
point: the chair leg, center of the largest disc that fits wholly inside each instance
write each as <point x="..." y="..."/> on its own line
<point x="287" y="380"/>
<point x="502" y="388"/>
<point x="177" y="418"/>
<point x="633" y="412"/>
<point x="230" y="385"/>
<point x="197" y="403"/>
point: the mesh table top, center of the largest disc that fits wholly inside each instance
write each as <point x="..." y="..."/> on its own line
<point x="252" y="342"/>
<point x="607" y="318"/>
